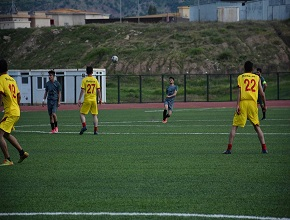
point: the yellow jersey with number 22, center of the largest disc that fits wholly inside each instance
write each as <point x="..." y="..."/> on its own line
<point x="249" y="85"/>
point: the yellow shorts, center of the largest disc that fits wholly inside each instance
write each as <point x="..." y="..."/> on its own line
<point x="89" y="107"/>
<point x="248" y="110"/>
<point x="7" y="123"/>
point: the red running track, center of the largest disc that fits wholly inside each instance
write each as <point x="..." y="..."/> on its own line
<point x="272" y="103"/>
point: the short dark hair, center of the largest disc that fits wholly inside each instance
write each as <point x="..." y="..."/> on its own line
<point x="248" y="66"/>
<point x="3" y="66"/>
<point x="171" y="78"/>
<point x="259" y="70"/>
<point x="51" y="72"/>
<point x="89" y="69"/>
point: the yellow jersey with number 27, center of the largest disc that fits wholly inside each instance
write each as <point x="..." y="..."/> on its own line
<point x="90" y="84"/>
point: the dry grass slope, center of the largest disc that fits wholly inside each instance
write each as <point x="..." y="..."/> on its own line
<point x="152" y="48"/>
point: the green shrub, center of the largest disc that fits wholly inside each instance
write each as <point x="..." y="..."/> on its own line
<point x="225" y="55"/>
<point x="195" y="51"/>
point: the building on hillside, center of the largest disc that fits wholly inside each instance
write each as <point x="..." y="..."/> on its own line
<point x="70" y="17"/>
<point x="15" y="20"/>
<point x="181" y="16"/>
<point x="228" y="14"/>
<point x="230" y="11"/>
<point x="24" y="19"/>
<point x="58" y="17"/>
<point x="39" y="19"/>
<point x="166" y="17"/>
<point x="184" y="11"/>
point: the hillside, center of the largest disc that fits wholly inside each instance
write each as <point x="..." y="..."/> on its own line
<point x="151" y="48"/>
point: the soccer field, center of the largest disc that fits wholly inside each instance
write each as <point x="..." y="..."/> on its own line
<point x="139" y="168"/>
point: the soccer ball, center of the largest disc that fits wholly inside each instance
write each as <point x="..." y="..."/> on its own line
<point x="114" y="59"/>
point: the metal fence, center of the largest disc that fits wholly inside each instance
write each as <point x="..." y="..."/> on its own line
<point x="191" y="87"/>
<point x="151" y="88"/>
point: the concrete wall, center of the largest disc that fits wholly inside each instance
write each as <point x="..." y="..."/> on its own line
<point x="14" y="24"/>
<point x="184" y="11"/>
<point x="228" y="14"/>
<point x="79" y="19"/>
<point x="68" y="19"/>
<point x="40" y="22"/>
<point x="39" y="19"/>
<point x="97" y="16"/>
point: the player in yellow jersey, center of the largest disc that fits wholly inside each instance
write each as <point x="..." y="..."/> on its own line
<point x="10" y="97"/>
<point x="91" y="89"/>
<point x="250" y="86"/>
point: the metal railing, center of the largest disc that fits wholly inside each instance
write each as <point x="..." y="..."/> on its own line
<point x="191" y="87"/>
<point x="151" y="88"/>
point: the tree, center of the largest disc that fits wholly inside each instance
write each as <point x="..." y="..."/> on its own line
<point x="152" y="10"/>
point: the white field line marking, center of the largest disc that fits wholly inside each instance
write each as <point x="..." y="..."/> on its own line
<point x="230" y="119"/>
<point x="150" y="133"/>
<point x="103" y="123"/>
<point x="148" y="125"/>
<point x="183" y="110"/>
<point x="202" y="109"/>
<point x="175" y="126"/>
<point x="189" y="133"/>
<point x="142" y="214"/>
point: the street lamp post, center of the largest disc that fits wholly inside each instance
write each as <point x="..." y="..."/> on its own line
<point x="120" y="11"/>
<point x="198" y="11"/>
<point x="138" y="12"/>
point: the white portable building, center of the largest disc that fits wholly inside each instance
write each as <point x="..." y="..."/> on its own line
<point x="31" y="84"/>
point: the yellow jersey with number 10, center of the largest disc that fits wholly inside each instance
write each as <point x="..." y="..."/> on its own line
<point x="9" y="91"/>
<point x="249" y="85"/>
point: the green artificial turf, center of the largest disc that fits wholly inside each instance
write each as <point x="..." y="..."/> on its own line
<point x="138" y="165"/>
